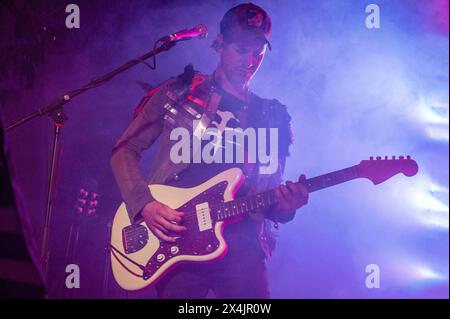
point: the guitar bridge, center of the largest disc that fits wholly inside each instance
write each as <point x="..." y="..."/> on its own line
<point x="134" y="238"/>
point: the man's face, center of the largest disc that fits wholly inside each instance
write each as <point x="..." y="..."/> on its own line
<point x="240" y="60"/>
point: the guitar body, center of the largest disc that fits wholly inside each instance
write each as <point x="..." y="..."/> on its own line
<point x="202" y="242"/>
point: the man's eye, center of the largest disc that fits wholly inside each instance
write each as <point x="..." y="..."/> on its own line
<point x="255" y="52"/>
<point x="242" y="50"/>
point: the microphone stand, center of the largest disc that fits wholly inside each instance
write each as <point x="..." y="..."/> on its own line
<point x="55" y="110"/>
<point x="107" y="265"/>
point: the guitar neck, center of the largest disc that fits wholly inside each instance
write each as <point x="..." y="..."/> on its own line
<point x="334" y="178"/>
<point x="266" y="199"/>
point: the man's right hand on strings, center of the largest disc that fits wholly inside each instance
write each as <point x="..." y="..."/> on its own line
<point x="162" y="220"/>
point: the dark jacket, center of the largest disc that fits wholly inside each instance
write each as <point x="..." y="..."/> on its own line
<point x="168" y="106"/>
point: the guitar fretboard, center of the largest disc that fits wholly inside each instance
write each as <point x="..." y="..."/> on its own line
<point x="334" y="178"/>
<point x="266" y="199"/>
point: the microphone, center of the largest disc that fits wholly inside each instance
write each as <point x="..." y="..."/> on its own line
<point x="199" y="31"/>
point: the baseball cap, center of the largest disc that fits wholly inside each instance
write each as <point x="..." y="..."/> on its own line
<point x="246" y="22"/>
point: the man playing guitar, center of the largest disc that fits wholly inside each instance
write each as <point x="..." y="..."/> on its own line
<point x="225" y="101"/>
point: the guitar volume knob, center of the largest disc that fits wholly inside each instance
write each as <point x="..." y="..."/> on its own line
<point x="160" y="257"/>
<point x="174" y="250"/>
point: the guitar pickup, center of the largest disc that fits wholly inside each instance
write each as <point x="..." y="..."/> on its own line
<point x="203" y="216"/>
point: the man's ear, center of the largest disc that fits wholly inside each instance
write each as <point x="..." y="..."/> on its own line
<point x="218" y="43"/>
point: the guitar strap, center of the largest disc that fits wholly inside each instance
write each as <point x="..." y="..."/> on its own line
<point x="212" y="106"/>
<point x="196" y="106"/>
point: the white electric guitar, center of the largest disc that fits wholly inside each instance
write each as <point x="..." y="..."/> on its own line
<point x="139" y="258"/>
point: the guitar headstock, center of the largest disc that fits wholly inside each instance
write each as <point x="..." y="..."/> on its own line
<point x="381" y="169"/>
<point x="87" y="198"/>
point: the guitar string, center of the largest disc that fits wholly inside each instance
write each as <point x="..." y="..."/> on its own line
<point x="239" y="207"/>
<point x="192" y="215"/>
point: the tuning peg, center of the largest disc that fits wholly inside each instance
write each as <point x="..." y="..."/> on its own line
<point x="386" y="157"/>
<point x="83" y="192"/>
<point x="371" y="158"/>
<point x="393" y="157"/>
<point x="378" y="157"/>
<point x="402" y="157"/>
<point x="408" y="157"/>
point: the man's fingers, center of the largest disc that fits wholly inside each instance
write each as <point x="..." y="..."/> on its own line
<point x="304" y="191"/>
<point x="294" y="188"/>
<point x="285" y="193"/>
<point x="278" y="194"/>
<point x="159" y="227"/>
<point x="170" y="226"/>
<point x="161" y="235"/>
<point x="304" y="194"/>
<point x="171" y="215"/>
<point x="296" y="192"/>
<point x="302" y="187"/>
<point x="284" y="190"/>
<point x="175" y="218"/>
<point x="292" y="195"/>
